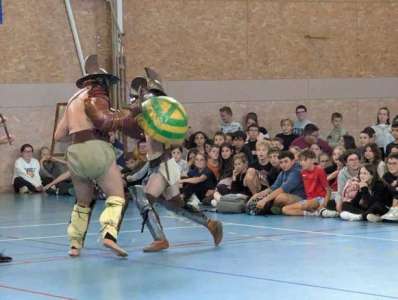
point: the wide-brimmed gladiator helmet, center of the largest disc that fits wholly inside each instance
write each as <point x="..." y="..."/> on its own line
<point x="95" y="73"/>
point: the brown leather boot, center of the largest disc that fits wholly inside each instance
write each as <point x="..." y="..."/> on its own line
<point x="215" y="228"/>
<point x="157" y="246"/>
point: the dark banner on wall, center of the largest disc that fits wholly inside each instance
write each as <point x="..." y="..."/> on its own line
<point x="1" y="12"/>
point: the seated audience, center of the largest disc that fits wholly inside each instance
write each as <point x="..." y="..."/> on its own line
<point x="252" y="119"/>
<point x="315" y="186"/>
<point x="338" y="131"/>
<point x="258" y="175"/>
<point x="366" y="197"/>
<point x="227" y="125"/>
<point x="200" y="181"/>
<point x="240" y="146"/>
<point x="302" y="121"/>
<point x="287" y="136"/>
<point x="287" y="189"/>
<point x="391" y="181"/>
<point x="219" y="138"/>
<point x="394" y="133"/>
<point x="213" y="161"/>
<point x="176" y="153"/>
<point x="372" y="155"/>
<point x="26" y="177"/>
<point x="311" y="136"/>
<point x="383" y="130"/>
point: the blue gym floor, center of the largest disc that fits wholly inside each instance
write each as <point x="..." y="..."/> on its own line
<point x="260" y="258"/>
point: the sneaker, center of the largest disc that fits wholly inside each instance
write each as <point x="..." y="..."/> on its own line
<point x="194" y="202"/>
<point x="391" y="215"/>
<point x="327" y="213"/>
<point x="214" y="202"/>
<point x="345" y="215"/>
<point x="373" y="218"/>
<point x="23" y="190"/>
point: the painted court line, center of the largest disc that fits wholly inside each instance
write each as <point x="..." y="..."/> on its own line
<point x="34" y="292"/>
<point x="272" y="280"/>
<point x="313" y="232"/>
<point x="59" y="224"/>
<point x="89" y="234"/>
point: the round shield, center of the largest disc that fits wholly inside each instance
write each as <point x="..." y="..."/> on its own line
<point x="164" y="119"/>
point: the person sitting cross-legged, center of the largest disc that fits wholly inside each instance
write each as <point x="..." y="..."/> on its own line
<point x="287" y="189"/>
<point x="315" y="185"/>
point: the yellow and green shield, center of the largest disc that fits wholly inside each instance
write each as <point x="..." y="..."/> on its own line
<point x="164" y="119"/>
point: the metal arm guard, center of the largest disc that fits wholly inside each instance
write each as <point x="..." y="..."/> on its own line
<point x="97" y="108"/>
<point x="148" y="213"/>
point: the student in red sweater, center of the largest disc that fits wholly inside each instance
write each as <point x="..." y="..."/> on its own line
<point x="315" y="186"/>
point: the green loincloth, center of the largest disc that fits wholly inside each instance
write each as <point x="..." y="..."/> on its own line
<point x="91" y="159"/>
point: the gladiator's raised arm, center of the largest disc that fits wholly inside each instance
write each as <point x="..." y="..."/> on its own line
<point x="97" y="108"/>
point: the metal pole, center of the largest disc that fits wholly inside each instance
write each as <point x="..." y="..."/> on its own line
<point x="75" y="34"/>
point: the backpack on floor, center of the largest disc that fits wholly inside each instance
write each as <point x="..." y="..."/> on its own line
<point x="232" y="203"/>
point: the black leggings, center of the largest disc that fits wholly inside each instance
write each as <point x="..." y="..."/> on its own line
<point x="376" y="208"/>
<point x="20" y="182"/>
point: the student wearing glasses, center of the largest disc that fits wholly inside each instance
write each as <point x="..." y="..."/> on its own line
<point x="302" y="121"/>
<point x="26" y="177"/>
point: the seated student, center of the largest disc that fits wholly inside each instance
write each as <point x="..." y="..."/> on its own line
<point x="391" y="181"/>
<point x="365" y="198"/>
<point x="213" y="161"/>
<point x="26" y="172"/>
<point x="119" y="149"/>
<point x="54" y="174"/>
<point x="191" y="158"/>
<point x="372" y="155"/>
<point x="382" y="128"/>
<point x="317" y="150"/>
<point x="241" y="166"/>
<point x="302" y="121"/>
<point x="226" y="171"/>
<point x="219" y="138"/>
<point x="200" y="180"/>
<point x="273" y="155"/>
<point x="176" y="153"/>
<point x="315" y="186"/>
<point x="348" y="142"/>
<point x="226" y="163"/>
<point x="198" y="141"/>
<point x="287" y="189"/>
<point x="351" y="160"/>
<point x="311" y="136"/>
<point x="229" y="138"/>
<point x="333" y="170"/>
<point x="296" y="151"/>
<point x="227" y="124"/>
<point x="394" y="132"/>
<point x="394" y="149"/>
<point x="137" y="166"/>
<point x="338" y="131"/>
<point x="252" y="119"/>
<point x="367" y="136"/>
<point x="287" y="136"/>
<point x="240" y="146"/>
<point x="257" y="175"/>
<point x="276" y="143"/>
<point x="252" y="138"/>
<point x="324" y="160"/>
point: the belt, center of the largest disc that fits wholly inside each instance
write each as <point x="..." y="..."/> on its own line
<point x="84" y="136"/>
